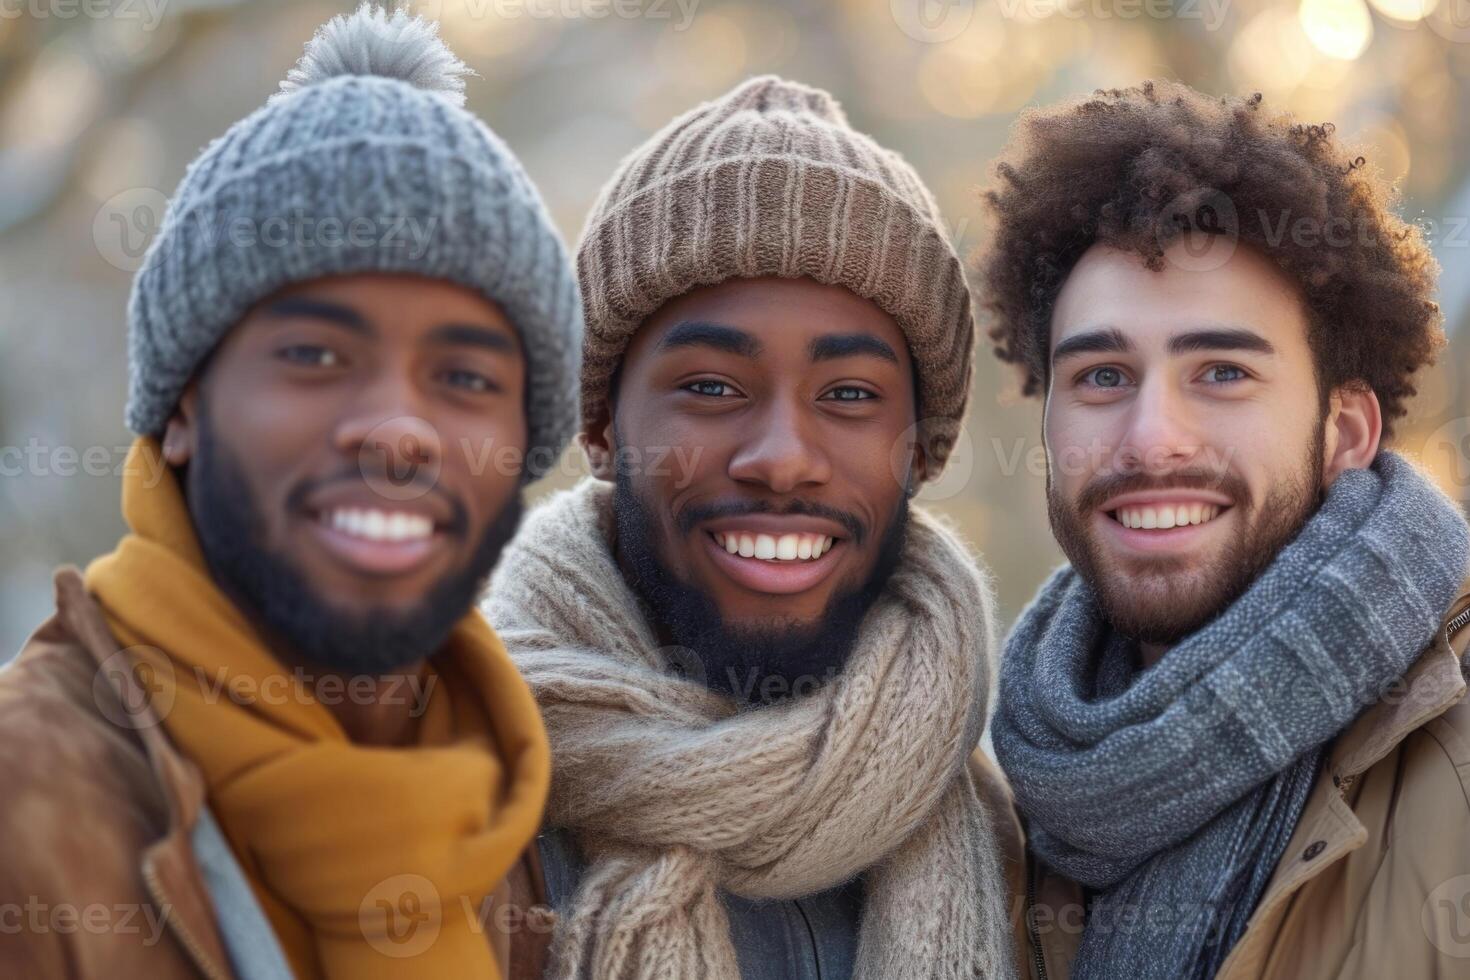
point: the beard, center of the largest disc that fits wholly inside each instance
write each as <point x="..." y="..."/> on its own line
<point x="760" y="662"/>
<point x="1166" y="601"/>
<point x="279" y="598"/>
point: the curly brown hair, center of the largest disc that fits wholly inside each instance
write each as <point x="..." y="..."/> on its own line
<point x="1136" y="168"/>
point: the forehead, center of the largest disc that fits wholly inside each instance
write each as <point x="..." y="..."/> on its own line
<point x="1109" y="288"/>
<point x="395" y="303"/>
<point x="782" y="315"/>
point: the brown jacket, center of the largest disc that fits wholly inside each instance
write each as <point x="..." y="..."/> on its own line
<point x="99" y="875"/>
<point x="1375" y="882"/>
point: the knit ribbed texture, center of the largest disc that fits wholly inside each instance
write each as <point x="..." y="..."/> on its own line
<point x="770" y="180"/>
<point x="363" y="163"/>
<point x="674" y="794"/>
<point x="1172" y="791"/>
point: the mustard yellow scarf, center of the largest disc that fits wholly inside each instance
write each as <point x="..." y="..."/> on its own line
<point x="369" y="862"/>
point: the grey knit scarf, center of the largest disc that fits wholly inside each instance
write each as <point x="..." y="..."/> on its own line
<point x="1171" y="793"/>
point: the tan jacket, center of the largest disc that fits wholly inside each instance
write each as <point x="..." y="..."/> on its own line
<point x="1375" y="883"/>
<point x="101" y="872"/>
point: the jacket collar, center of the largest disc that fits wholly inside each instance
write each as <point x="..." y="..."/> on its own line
<point x="1434" y="683"/>
<point x="168" y="864"/>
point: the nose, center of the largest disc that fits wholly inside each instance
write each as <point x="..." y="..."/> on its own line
<point x="1163" y="431"/>
<point x="384" y="429"/>
<point x="781" y="450"/>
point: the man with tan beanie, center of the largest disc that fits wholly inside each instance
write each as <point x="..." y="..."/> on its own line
<point x="763" y="673"/>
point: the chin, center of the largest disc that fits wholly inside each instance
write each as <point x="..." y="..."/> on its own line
<point x="1161" y="607"/>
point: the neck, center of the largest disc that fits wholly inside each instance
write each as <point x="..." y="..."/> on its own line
<point x="377" y="709"/>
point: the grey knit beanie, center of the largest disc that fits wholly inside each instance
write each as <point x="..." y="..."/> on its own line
<point x="365" y="161"/>
<point x="770" y="180"/>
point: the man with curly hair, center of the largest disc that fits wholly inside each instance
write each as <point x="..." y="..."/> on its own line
<point x="1232" y="723"/>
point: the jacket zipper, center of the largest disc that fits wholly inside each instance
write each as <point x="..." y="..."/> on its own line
<point x="201" y="959"/>
<point x="1031" y="936"/>
<point x="1458" y="623"/>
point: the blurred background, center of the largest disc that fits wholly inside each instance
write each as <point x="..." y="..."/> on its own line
<point x="104" y="102"/>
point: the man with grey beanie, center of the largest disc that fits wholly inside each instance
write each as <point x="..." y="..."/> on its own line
<point x="269" y="735"/>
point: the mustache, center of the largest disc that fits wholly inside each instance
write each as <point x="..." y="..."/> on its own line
<point x="698" y="513"/>
<point x="1104" y="488"/>
<point x="459" y="518"/>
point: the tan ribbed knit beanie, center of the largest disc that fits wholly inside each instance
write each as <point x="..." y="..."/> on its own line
<point x="770" y="180"/>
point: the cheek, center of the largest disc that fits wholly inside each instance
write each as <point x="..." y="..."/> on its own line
<point x="1076" y="450"/>
<point x="483" y="464"/>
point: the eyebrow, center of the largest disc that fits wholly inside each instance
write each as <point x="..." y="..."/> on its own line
<point x="316" y="309"/>
<point x="1113" y="341"/>
<point x="472" y="335"/>
<point x="698" y="333"/>
<point x="1106" y="341"/>
<point x="833" y="346"/>
<point x="350" y="319"/>
<point x="1225" y="338"/>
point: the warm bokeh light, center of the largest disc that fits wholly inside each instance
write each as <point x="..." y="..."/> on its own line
<point x="1405" y="11"/>
<point x="92" y="107"/>
<point x="1338" y="28"/>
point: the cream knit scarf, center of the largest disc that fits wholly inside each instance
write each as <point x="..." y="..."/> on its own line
<point x="674" y="793"/>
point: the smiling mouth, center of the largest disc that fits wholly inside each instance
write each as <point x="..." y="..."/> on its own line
<point x="1163" y="517"/>
<point x="379" y="526"/>
<point x="378" y="541"/>
<point x="774" y="547"/>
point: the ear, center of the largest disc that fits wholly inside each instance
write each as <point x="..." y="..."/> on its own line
<point x="181" y="434"/>
<point x="919" y="471"/>
<point x="1354" y="431"/>
<point x="600" y="448"/>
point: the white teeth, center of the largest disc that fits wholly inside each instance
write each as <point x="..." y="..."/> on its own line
<point x="771" y="547"/>
<point x="377" y="525"/>
<point x="1167" y="516"/>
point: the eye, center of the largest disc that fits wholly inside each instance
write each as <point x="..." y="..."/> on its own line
<point x="849" y="393"/>
<point x="311" y="355"/>
<point x="469" y="380"/>
<point x="1104" y="377"/>
<point x="1224" y="374"/>
<point x="711" y="389"/>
